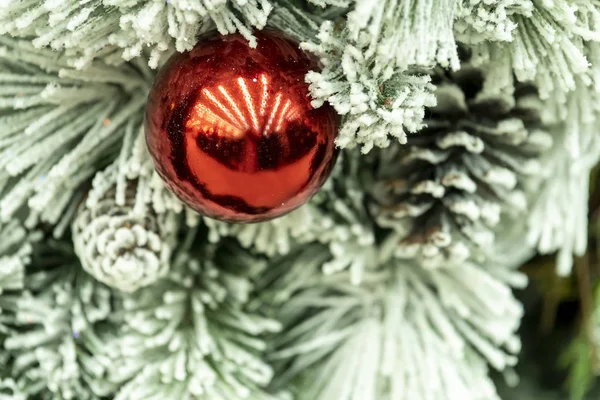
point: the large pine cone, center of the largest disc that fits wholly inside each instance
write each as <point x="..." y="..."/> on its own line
<point x="447" y="188"/>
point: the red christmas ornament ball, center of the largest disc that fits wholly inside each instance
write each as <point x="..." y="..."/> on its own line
<point x="231" y="129"/>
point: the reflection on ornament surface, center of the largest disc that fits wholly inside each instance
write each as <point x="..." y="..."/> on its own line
<point x="232" y="131"/>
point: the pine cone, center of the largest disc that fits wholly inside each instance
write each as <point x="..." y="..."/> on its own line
<point x="445" y="191"/>
<point x="121" y="246"/>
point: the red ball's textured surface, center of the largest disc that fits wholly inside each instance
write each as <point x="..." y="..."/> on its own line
<point x="232" y="132"/>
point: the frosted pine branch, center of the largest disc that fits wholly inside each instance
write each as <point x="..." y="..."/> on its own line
<point x="481" y="20"/>
<point x="121" y="29"/>
<point x="376" y="104"/>
<point x="59" y="124"/>
<point x="351" y="234"/>
<point x="399" y="34"/>
<point x="197" y="337"/>
<point x="548" y="39"/>
<point x="9" y="389"/>
<point x="273" y="237"/>
<point x="395" y="335"/>
<point x="298" y="23"/>
<point x="47" y="342"/>
<point x="405" y="33"/>
<point x="558" y="219"/>
<point x="16" y="247"/>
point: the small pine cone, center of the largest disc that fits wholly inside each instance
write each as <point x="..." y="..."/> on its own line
<point x="124" y="246"/>
<point x="447" y="188"/>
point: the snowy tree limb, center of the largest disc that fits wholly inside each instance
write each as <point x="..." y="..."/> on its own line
<point x="58" y="125"/>
<point x="395" y="335"/>
<point x="545" y="41"/>
<point x="46" y="344"/>
<point x="377" y="104"/>
<point x="121" y="29"/>
<point x="198" y="338"/>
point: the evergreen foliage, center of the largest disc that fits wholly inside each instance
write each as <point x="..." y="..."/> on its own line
<point x="394" y="282"/>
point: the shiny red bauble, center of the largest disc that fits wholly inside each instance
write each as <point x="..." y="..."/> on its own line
<point x="232" y="131"/>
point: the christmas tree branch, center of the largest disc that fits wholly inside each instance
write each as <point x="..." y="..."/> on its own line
<point x="59" y="127"/>
<point x="121" y="29"/>
<point x="376" y="104"/>
<point x="559" y="212"/>
<point x="16" y="246"/>
<point x="47" y="352"/>
<point x="198" y="337"/>
<point x="394" y="335"/>
<point x="547" y="42"/>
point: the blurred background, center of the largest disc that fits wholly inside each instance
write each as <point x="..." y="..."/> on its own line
<point x="561" y="331"/>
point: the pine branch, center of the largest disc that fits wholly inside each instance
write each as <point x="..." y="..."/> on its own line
<point x="336" y="3"/>
<point x="546" y="41"/>
<point x="9" y="389"/>
<point x="68" y="337"/>
<point x="297" y="21"/>
<point x="47" y="342"/>
<point x="479" y="20"/>
<point x="395" y="335"/>
<point x="120" y="29"/>
<point x="558" y="217"/>
<point x="197" y="338"/>
<point x="377" y="104"/>
<point x="60" y="125"/>
<point x="16" y="249"/>
<point x="405" y="33"/>
<point x="15" y="253"/>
